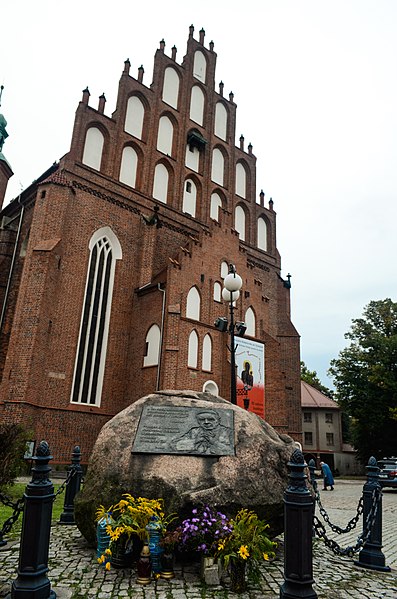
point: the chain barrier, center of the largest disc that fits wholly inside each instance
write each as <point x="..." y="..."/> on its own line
<point x="17" y="507"/>
<point x="334" y="527"/>
<point x="361" y="539"/>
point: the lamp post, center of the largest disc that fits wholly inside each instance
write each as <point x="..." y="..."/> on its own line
<point x="231" y="293"/>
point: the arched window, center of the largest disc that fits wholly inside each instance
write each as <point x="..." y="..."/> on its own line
<point x="216" y="203"/>
<point x="192" y="356"/>
<point x="239" y="222"/>
<point x="160" y="185"/>
<point x="218" y="166"/>
<point x="262" y="234"/>
<point x="171" y="87"/>
<point x="250" y="322"/>
<point x="192" y="158"/>
<point x="89" y="367"/>
<point x="241" y="181"/>
<point x="128" y="167"/>
<point x="224" y="269"/>
<point x="206" y="360"/>
<point x="197" y="105"/>
<point x="189" y="197"/>
<point x="211" y="387"/>
<point x="93" y="146"/>
<point x="165" y="136"/>
<point x="151" y="357"/>
<point x="199" y="66"/>
<point x="220" y="121"/>
<point x="217" y="292"/>
<point x="134" y="117"/>
<point x="193" y="304"/>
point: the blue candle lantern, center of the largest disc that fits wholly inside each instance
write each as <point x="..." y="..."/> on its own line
<point x="154" y="533"/>
<point x="103" y="539"/>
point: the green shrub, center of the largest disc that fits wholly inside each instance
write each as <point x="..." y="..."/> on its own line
<point x="13" y="438"/>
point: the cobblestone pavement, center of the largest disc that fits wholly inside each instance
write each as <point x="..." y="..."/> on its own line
<point x="75" y="574"/>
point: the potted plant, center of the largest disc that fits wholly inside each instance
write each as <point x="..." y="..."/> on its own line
<point x="244" y="548"/>
<point x="203" y="530"/>
<point x="127" y="527"/>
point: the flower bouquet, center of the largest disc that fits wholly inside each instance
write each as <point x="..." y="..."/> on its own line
<point x="128" y="521"/>
<point x="204" y="530"/>
<point x="246" y="545"/>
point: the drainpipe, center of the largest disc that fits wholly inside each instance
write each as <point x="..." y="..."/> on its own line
<point x="161" y="337"/>
<point x="3" y="310"/>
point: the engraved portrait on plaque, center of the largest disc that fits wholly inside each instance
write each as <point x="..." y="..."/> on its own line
<point x="185" y="430"/>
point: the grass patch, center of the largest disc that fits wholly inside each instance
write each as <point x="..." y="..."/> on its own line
<point x="15" y="492"/>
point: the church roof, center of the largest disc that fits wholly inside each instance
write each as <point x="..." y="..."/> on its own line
<point x="312" y="398"/>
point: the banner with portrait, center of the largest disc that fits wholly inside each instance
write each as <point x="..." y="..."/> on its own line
<point x="250" y="365"/>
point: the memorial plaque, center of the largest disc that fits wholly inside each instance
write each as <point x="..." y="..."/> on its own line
<point x="185" y="430"/>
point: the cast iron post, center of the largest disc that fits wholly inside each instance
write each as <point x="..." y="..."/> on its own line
<point x="298" y="521"/>
<point x="72" y="488"/>
<point x="32" y="581"/>
<point x="371" y="555"/>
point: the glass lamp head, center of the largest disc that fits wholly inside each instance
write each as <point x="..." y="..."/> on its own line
<point x="233" y="282"/>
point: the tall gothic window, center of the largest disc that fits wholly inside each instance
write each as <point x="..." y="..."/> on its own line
<point x="192" y="352"/>
<point x="128" y="167"/>
<point x="250" y="322"/>
<point x="216" y="204"/>
<point x="152" y="346"/>
<point x="262" y="234"/>
<point x="89" y="367"/>
<point x="171" y="87"/>
<point x="239" y="221"/>
<point x="93" y="146"/>
<point x="193" y="302"/>
<point x="197" y="105"/>
<point x="134" y="117"/>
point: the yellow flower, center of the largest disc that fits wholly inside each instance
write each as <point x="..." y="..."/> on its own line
<point x="107" y="567"/>
<point x="243" y="551"/>
<point x="221" y="545"/>
<point x="108" y="552"/>
<point x="101" y="559"/>
<point x="266" y="556"/>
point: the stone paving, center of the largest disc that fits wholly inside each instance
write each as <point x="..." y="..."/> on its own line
<point x="75" y="574"/>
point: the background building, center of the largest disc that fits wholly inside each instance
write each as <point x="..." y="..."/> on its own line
<point x="322" y="432"/>
<point x="112" y="261"/>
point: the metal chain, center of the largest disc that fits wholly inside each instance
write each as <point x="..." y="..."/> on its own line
<point x="361" y="539"/>
<point x="17" y="507"/>
<point x="72" y="472"/>
<point x="334" y="527"/>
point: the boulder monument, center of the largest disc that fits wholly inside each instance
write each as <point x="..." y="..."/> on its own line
<point x="190" y="449"/>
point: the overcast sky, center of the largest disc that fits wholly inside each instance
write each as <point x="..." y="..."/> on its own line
<point x="315" y="82"/>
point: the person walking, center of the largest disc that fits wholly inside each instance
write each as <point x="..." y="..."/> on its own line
<point x="328" y="478"/>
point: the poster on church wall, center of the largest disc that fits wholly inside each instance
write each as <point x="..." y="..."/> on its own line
<point x="250" y="366"/>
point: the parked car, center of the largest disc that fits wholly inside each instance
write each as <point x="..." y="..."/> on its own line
<point x="388" y="472"/>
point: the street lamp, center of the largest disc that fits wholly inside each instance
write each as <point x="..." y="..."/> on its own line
<point x="231" y="293"/>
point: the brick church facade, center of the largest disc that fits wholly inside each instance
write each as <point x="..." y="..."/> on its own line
<point x="111" y="262"/>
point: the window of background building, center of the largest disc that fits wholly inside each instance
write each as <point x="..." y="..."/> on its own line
<point x="330" y="438"/>
<point x="308" y="438"/>
<point x="328" y="417"/>
<point x="307" y="416"/>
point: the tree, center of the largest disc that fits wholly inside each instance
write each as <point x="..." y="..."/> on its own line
<point x="365" y="377"/>
<point x="310" y="377"/>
